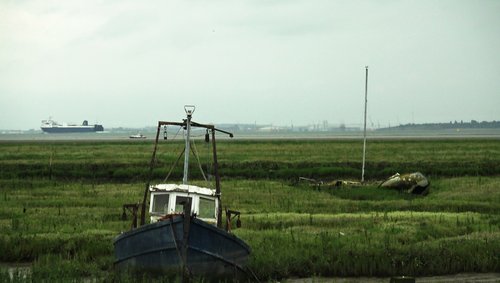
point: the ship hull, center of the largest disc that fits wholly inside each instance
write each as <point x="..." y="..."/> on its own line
<point x="157" y="249"/>
<point x="63" y="130"/>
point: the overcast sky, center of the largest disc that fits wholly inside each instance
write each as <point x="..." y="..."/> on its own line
<point x="132" y="63"/>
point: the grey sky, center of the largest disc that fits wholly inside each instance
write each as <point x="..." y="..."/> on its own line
<point x="131" y="63"/>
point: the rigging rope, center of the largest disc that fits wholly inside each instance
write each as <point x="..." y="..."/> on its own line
<point x="178" y="158"/>
<point x="174" y="165"/>
<point x="195" y="153"/>
<point x="160" y="155"/>
<point x="206" y="176"/>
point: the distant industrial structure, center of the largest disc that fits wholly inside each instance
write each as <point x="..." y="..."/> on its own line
<point x="324" y="126"/>
<point x="473" y="124"/>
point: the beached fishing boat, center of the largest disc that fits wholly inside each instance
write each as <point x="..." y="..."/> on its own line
<point x="185" y="233"/>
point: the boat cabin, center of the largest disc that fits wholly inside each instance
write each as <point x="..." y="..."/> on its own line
<point x="170" y="198"/>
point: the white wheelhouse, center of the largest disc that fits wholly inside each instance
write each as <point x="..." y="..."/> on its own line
<point x="166" y="199"/>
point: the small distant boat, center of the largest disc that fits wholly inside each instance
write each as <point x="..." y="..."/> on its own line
<point x="53" y="127"/>
<point x="185" y="234"/>
<point x="138" y="136"/>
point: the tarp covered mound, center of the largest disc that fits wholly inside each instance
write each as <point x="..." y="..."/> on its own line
<point x="412" y="183"/>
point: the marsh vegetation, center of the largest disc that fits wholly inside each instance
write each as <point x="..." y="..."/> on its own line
<point x="61" y="206"/>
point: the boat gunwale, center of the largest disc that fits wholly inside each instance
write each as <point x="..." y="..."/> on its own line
<point x="179" y="218"/>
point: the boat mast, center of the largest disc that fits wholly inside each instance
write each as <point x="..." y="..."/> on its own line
<point x="187" y="123"/>
<point x="364" y="131"/>
<point x="189" y="112"/>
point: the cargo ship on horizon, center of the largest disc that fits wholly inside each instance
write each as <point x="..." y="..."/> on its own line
<point x="52" y="127"/>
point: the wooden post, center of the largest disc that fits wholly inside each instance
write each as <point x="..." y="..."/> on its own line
<point x="150" y="175"/>
<point x="185" y="240"/>
<point x="217" y="181"/>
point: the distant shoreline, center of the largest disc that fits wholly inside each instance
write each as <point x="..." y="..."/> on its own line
<point x="258" y="135"/>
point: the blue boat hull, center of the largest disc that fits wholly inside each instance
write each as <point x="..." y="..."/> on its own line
<point x="64" y="130"/>
<point x="157" y="248"/>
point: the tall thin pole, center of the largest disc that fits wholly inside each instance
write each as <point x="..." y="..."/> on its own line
<point x="189" y="111"/>
<point x="364" y="131"/>
<point x="217" y="181"/>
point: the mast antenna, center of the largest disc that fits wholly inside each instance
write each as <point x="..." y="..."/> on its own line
<point x="189" y="113"/>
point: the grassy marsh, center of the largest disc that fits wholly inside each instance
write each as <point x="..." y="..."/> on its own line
<point x="289" y="159"/>
<point x="60" y="212"/>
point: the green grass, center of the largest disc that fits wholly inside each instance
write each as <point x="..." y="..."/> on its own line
<point x="371" y="231"/>
<point x="64" y="223"/>
<point x="127" y="161"/>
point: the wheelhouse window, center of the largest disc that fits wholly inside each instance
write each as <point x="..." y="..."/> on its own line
<point x="160" y="203"/>
<point x="179" y="203"/>
<point x="206" y="208"/>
